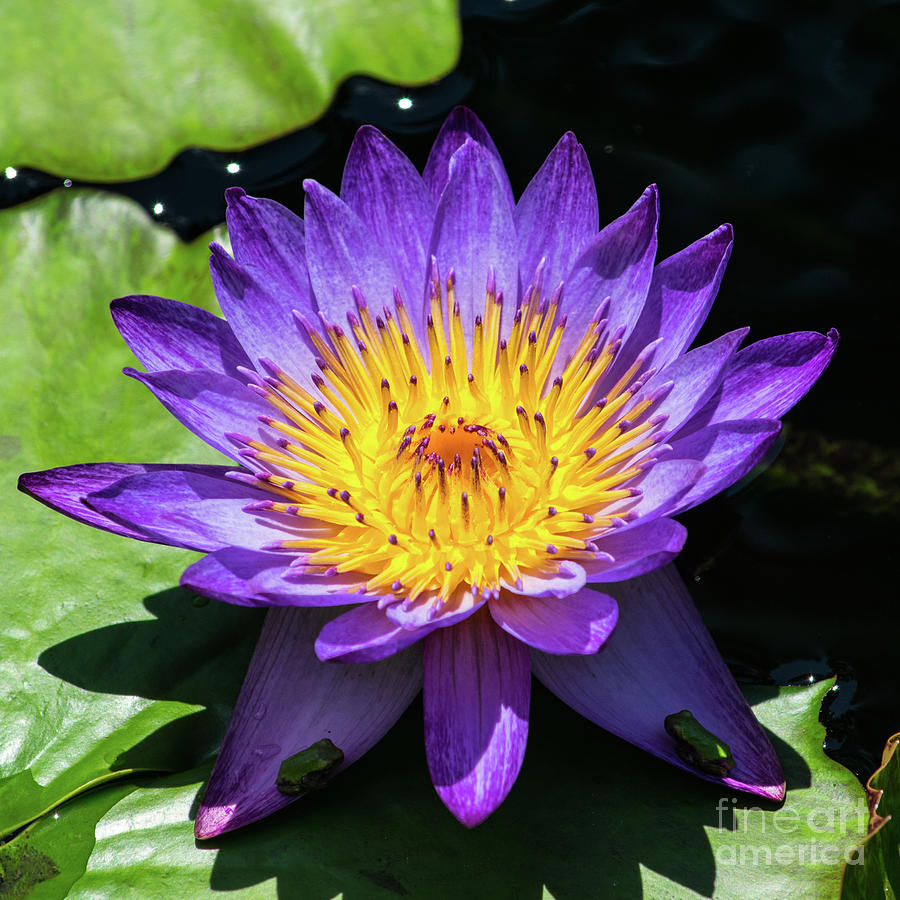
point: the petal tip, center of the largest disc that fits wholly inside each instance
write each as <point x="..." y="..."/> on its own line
<point x="234" y="195"/>
<point x="212" y="821"/>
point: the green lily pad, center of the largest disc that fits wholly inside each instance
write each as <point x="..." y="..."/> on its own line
<point x="590" y="816"/>
<point x="104" y="667"/>
<point x="108" y="91"/>
<point x="878" y="875"/>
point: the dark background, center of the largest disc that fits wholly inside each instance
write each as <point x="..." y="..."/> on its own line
<point x="777" y="117"/>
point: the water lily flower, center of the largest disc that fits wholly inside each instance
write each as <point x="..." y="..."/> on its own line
<point x="459" y="427"/>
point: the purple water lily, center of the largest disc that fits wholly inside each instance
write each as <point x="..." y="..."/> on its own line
<point x="447" y="413"/>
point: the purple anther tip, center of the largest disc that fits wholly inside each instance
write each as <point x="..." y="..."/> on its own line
<point x="502" y="493"/>
<point x="447" y="361"/>
<point x="360" y="345"/>
<point x="345" y="496"/>
<point x="331" y="571"/>
<point x="319" y="407"/>
<point x="318" y="380"/>
<point x="379" y="323"/>
<point x="258" y="505"/>
<point x="413" y="379"/>
<point x="248" y="453"/>
<point x="490" y="540"/>
<point x="532" y="337"/>
<point x="396" y="585"/>
<point x="523" y="369"/>
<point x="261" y="391"/>
<point x="471" y="377"/>
<point x="392" y="539"/>
<point x="352" y="320"/>
<point x="292" y="510"/>
<point x="551" y="549"/>
<point x="590" y="452"/>
<point x="392" y="406"/>
<point x="385" y="384"/>
<point x="503" y="344"/>
<point x="274" y="545"/>
<point x="360" y="517"/>
<point x="429" y="321"/>
<point x="539" y="418"/>
<point x="552" y="511"/>
<point x="446" y="401"/>
<point x="554" y="461"/>
<point x="624" y="425"/>
<point x="478" y="321"/>
<point x="284" y="443"/>
<point x="332" y="492"/>
<point x="491" y="286"/>
<point x="345" y="433"/>
<point x="448" y="567"/>
<point x="465" y="497"/>
<point x="431" y="533"/>
<point x="521" y="411"/>
<point x="587" y="518"/>
<point x="636" y="492"/>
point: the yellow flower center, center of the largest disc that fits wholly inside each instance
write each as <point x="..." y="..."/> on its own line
<point x="431" y="473"/>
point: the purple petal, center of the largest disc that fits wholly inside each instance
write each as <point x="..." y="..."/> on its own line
<point x="461" y="125"/>
<point x="767" y="378"/>
<point x="343" y="252"/>
<point x="254" y="578"/>
<point x="567" y="580"/>
<point x="637" y="550"/>
<point x="695" y="377"/>
<point x="166" y="334"/>
<point x="200" y="510"/>
<point x="289" y="701"/>
<point x="579" y="623"/>
<point x="681" y="294"/>
<point x="259" y="307"/>
<point x="662" y="487"/>
<point x="268" y="236"/>
<point x="365" y="634"/>
<point x="384" y="189"/>
<point x="476" y="693"/>
<point x="421" y="613"/>
<point x="65" y="489"/>
<point x="660" y="660"/>
<point x="617" y="263"/>
<point x="474" y="231"/>
<point x="557" y="214"/>
<point x="729" y="450"/>
<point x="210" y="405"/>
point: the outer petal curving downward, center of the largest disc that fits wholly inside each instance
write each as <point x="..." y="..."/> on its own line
<point x="476" y="693"/>
<point x="289" y="701"/>
<point x="660" y="660"/>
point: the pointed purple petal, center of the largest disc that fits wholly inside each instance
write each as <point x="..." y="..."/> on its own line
<point x="461" y="125"/>
<point x="557" y="214"/>
<point x="255" y="578"/>
<point x="65" y="489"/>
<point x="696" y="375"/>
<point x="617" y="263"/>
<point x="729" y="450"/>
<point x="660" y="660"/>
<point x="637" y="550"/>
<point x="384" y="189"/>
<point x="569" y="579"/>
<point x="476" y="693"/>
<point x="767" y="378"/>
<point x="662" y="487"/>
<point x="289" y="701"/>
<point x="578" y="623"/>
<point x="210" y="405"/>
<point x="259" y="307"/>
<point x="268" y="236"/>
<point x="365" y="634"/>
<point x="474" y="231"/>
<point x="681" y="293"/>
<point x="422" y="612"/>
<point x="343" y="251"/>
<point x="166" y="334"/>
<point x="200" y="510"/>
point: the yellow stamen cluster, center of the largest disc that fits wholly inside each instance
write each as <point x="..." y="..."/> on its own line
<point x="431" y="472"/>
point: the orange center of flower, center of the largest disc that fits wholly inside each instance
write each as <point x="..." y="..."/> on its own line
<point x="435" y="480"/>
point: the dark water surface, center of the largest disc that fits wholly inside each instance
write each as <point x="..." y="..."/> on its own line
<point x="777" y="117"/>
